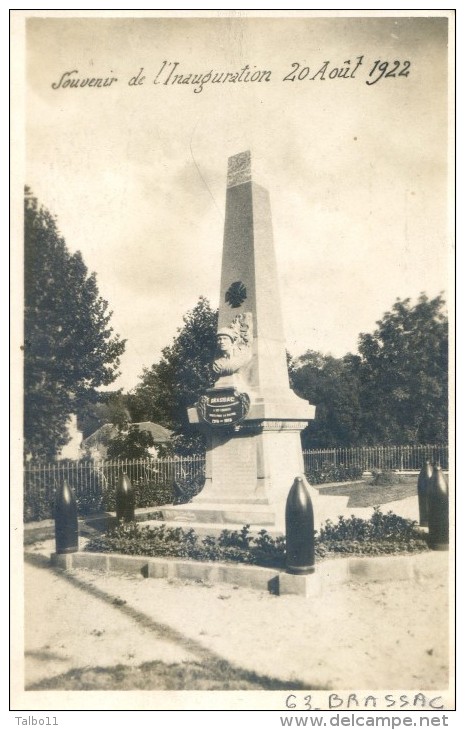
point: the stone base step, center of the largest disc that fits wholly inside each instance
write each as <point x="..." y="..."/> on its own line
<point x="234" y="514"/>
<point x="212" y="498"/>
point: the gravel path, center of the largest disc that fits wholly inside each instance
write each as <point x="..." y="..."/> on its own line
<point x="375" y="635"/>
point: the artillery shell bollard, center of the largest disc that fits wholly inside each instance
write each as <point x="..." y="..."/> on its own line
<point x="66" y="521"/>
<point x="438" y="511"/>
<point x="423" y="487"/>
<point x="125" y="499"/>
<point x="300" y="539"/>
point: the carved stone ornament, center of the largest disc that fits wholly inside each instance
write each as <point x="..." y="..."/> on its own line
<point x="235" y="348"/>
<point x="236" y="294"/>
<point x="239" y="169"/>
<point x="242" y="326"/>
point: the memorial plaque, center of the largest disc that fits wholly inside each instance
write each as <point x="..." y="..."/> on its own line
<point x="223" y="406"/>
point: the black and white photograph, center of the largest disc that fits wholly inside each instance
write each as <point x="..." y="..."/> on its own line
<point x="233" y="261"/>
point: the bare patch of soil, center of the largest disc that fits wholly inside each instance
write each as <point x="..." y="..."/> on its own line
<point x="90" y="630"/>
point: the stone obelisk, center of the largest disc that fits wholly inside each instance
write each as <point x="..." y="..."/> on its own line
<point x="251" y="417"/>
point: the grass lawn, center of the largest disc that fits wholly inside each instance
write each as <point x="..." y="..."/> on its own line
<point x="208" y="675"/>
<point x="363" y="494"/>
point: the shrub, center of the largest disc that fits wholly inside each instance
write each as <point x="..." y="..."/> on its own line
<point x="386" y="478"/>
<point x="147" y="494"/>
<point x="231" y="546"/>
<point x="329" y="472"/>
<point x="187" y="486"/>
<point x="37" y="506"/>
<point x="381" y="534"/>
<point x="96" y="490"/>
<point x="40" y="490"/>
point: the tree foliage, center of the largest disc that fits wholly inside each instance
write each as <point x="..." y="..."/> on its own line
<point x="69" y="345"/>
<point x="394" y="391"/>
<point x="332" y="386"/>
<point x="130" y="443"/>
<point x="403" y="372"/>
<point x="173" y="384"/>
<point x="111" y="407"/>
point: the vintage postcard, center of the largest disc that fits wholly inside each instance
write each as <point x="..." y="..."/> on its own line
<point x="292" y="170"/>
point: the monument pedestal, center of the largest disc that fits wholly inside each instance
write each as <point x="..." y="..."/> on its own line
<point x="255" y="459"/>
<point x="254" y="464"/>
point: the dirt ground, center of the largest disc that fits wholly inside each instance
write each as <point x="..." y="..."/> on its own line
<point x="89" y="630"/>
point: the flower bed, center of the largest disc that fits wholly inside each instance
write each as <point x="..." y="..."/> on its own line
<point x="380" y="535"/>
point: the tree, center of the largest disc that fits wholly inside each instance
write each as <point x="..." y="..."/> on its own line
<point x="402" y="369"/>
<point x="184" y="371"/>
<point x="393" y="391"/>
<point x="69" y="346"/>
<point x="332" y="386"/>
<point x="111" y="407"/>
<point x="130" y="443"/>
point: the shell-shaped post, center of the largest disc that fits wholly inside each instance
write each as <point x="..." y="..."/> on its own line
<point x="300" y="538"/>
<point x="423" y="488"/>
<point x="125" y="499"/>
<point x="66" y="520"/>
<point x="438" y="511"/>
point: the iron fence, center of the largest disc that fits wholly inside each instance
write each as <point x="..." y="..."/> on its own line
<point x="369" y="458"/>
<point x="171" y="479"/>
<point x="156" y="482"/>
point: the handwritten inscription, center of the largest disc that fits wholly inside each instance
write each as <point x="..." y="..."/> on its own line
<point x="352" y="700"/>
<point x="173" y="73"/>
<point x="348" y="70"/>
<point x="327" y="70"/>
<point x="388" y="71"/>
<point x="71" y="81"/>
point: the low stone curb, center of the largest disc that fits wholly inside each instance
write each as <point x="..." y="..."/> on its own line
<point x="416" y="567"/>
<point x="248" y="576"/>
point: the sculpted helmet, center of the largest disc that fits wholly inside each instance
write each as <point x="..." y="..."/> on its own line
<point x="228" y="332"/>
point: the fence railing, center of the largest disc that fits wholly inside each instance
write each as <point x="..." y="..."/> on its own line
<point x="163" y="481"/>
<point x="156" y="482"/>
<point x="403" y="458"/>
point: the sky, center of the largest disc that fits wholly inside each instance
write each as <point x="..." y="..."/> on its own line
<point x="136" y="175"/>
